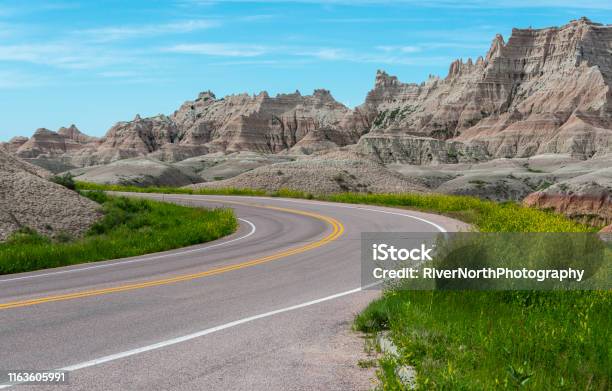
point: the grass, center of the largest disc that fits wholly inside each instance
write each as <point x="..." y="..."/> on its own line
<point x="168" y="190"/>
<point x="367" y="363"/>
<point x="129" y="227"/>
<point x="470" y="340"/>
<point x="487" y="216"/>
<point x="534" y="170"/>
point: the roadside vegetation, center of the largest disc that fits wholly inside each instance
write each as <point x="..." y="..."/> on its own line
<point x="66" y="180"/>
<point x="487" y="216"/>
<point x="128" y="228"/>
<point x="168" y="190"/>
<point x="471" y="340"/>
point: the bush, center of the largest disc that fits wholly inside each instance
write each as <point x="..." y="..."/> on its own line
<point x="96" y="195"/>
<point x="66" y="180"/>
<point x="26" y="237"/>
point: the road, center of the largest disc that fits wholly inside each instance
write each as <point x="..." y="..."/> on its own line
<point x="266" y="308"/>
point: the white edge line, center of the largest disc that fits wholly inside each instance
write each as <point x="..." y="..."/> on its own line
<point x="174" y="341"/>
<point x="253" y="229"/>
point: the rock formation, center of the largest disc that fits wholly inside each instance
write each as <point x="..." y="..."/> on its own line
<point x="48" y="143"/>
<point x="235" y="123"/>
<point x="73" y="133"/>
<point x="15" y="143"/>
<point x="587" y="198"/>
<point x="262" y="123"/>
<point x="28" y="200"/>
<point x="544" y="91"/>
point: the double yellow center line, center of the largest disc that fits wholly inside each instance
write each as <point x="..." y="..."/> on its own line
<point x="337" y="231"/>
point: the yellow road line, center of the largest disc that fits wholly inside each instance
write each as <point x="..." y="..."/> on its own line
<point x="337" y="231"/>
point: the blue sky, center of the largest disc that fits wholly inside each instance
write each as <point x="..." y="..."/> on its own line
<point x="93" y="63"/>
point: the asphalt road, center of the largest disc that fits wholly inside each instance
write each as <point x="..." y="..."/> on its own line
<point x="266" y="308"/>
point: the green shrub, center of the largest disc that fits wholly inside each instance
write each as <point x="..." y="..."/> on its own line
<point x="63" y="237"/>
<point x="66" y="180"/>
<point x="26" y="237"/>
<point x="96" y="195"/>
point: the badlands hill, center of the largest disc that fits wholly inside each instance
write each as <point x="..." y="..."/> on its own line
<point x="540" y="97"/>
<point x="542" y="91"/>
<point x="205" y="125"/>
<point x="28" y="200"/>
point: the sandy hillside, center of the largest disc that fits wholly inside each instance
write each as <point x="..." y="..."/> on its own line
<point x="29" y="200"/>
<point x="330" y="173"/>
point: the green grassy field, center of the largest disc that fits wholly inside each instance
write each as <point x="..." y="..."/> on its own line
<point x="468" y="340"/>
<point x="129" y="227"/>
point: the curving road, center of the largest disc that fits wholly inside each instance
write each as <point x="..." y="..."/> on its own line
<point x="265" y="308"/>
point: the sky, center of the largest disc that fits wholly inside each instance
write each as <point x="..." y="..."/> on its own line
<point x="93" y="63"/>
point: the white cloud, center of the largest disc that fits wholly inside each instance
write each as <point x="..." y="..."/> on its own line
<point x="113" y="33"/>
<point x="30" y="7"/>
<point x="377" y="20"/>
<point x="256" y="18"/>
<point x="281" y="54"/>
<point x="218" y="49"/>
<point x="457" y="45"/>
<point x="247" y="62"/>
<point x="17" y="79"/>
<point x="301" y="55"/>
<point x="326" y="54"/>
<point x="63" y="55"/>
<point x="381" y="57"/>
<point x="36" y="53"/>
<point x="118" y="74"/>
<point x="452" y="4"/>
<point x="400" y="49"/>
